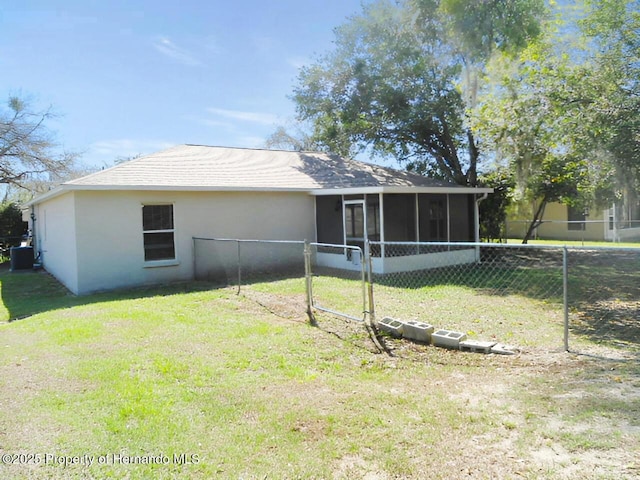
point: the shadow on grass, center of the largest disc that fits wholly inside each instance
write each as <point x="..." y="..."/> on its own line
<point x="30" y="292"/>
<point x="604" y="295"/>
<point x="615" y="323"/>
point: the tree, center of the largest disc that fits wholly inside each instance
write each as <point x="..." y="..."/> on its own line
<point x="558" y="180"/>
<point x="477" y="29"/>
<point x="299" y="140"/>
<point x="532" y="130"/>
<point x="493" y="210"/>
<point x="383" y="87"/>
<point x="564" y="116"/>
<point x="27" y="148"/>
<point x="11" y="225"/>
<point x="393" y="85"/>
<point x="611" y="91"/>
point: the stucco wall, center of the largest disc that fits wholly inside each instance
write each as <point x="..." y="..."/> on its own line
<point x="56" y="240"/>
<point x="560" y="231"/>
<point x="110" y="239"/>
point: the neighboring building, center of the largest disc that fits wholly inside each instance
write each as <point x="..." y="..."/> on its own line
<point x="133" y="224"/>
<point x="561" y="222"/>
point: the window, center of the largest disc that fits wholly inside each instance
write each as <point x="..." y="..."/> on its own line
<point x="354" y="219"/>
<point x="157" y="227"/>
<point x="432" y="214"/>
<point x="576" y="218"/>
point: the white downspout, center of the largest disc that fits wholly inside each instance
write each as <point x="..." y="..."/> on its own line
<point x="476" y="215"/>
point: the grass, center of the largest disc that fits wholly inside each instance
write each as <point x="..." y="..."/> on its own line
<point x="216" y="385"/>
<point x="577" y="243"/>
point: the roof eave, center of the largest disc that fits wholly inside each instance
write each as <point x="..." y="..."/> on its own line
<point x="54" y="192"/>
<point x="69" y="187"/>
<point x="401" y="189"/>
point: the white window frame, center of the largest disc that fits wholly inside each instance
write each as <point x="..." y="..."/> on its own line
<point x="164" y="262"/>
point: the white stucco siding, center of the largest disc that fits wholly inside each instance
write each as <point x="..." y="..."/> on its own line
<point x="264" y="216"/>
<point x="110" y="238"/>
<point x="55" y="235"/>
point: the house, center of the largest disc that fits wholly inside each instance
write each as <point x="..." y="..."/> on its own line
<point x="619" y="223"/>
<point x="134" y="224"/>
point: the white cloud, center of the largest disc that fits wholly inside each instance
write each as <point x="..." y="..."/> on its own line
<point x="253" y="117"/>
<point x="166" y="47"/>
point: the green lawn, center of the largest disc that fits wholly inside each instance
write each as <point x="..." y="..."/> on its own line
<point x="577" y="243"/>
<point x="210" y="384"/>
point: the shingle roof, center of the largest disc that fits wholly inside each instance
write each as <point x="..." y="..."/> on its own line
<point x="197" y="166"/>
<point x="203" y="168"/>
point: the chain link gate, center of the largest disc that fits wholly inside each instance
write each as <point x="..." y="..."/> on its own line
<point x="338" y="280"/>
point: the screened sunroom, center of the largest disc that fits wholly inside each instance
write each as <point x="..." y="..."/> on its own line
<point x="398" y="222"/>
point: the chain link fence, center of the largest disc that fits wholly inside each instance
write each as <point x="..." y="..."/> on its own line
<point x="236" y="262"/>
<point x="527" y="295"/>
<point x="604" y="297"/>
<point x="287" y="274"/>
<point x="492" y="293"/>
<point x="548" y="297"/>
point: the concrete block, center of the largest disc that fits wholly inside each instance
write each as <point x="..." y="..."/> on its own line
<point x="448" y="338"/>
<point x="476" y="346"/>
<point x="418" y="331"/>
<point x="392" y="326"/>
<point x="501" y="349"/>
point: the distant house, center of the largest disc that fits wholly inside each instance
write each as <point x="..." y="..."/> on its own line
<point x="620" y="223"/>
<point x="133" y="224"/>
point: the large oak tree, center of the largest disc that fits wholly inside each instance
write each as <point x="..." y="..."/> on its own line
<point x="403" y="76"/>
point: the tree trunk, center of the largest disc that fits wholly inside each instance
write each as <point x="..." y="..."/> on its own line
<point x="472" y="172"/>
<point x="536" y="222"/>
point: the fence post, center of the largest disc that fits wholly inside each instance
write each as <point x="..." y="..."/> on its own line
<point x="368" y="261"/>
<point x="308" y="282"/>
<point x="239" y="267"/>
<point x="193" y="255"/>
<point x="565" y="295"/>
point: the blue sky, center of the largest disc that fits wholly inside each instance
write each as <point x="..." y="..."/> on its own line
<point x="130" y="77"/>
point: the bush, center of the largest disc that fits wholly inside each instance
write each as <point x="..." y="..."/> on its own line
<point x="493" y="210"/>
<point x="12" y="227"/>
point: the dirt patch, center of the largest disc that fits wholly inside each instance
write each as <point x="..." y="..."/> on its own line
<point x="354" y="466"/>
<point x="290" y="307"/>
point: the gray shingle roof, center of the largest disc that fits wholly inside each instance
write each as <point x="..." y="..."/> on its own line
<point x="204" y="167"/>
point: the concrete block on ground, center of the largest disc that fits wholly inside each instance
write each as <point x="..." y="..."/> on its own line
<point x="476" y="346"/>
<point x="448" y="338"/>
<point x="391" y="326"/>
<point x="501" y="349"/>
<point x="418" y="331"/>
